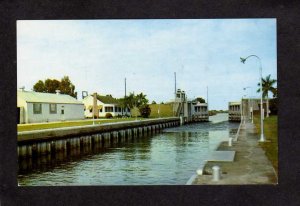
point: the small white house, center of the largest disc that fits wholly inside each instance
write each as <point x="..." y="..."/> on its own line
<point x="105" y="104"/>
<point x="34" y="107"/>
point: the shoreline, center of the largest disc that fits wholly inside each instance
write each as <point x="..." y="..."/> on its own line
<point x="249" y="166"/>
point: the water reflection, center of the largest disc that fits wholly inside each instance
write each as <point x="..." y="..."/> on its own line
<point x="166" y="158"/>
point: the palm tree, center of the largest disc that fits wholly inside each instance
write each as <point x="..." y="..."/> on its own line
<point x="268" y="86"/>
<point x="141" y="99"/>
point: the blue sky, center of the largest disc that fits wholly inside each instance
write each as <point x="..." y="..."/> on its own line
<point x="98" y="54"/>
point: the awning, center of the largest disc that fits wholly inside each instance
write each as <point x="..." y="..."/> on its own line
<point x="91" y="107"/>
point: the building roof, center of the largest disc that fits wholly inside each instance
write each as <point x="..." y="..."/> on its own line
<point x="200" y="104"/>
<point x="108" y="99"/>
<point x="234" y="103"/>
<point x="30" y="96"/>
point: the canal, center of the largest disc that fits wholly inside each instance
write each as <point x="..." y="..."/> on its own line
<point x="170" y="157"/>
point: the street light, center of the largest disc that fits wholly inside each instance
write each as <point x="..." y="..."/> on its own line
<point x="243" y="60"/>
<point x="248" y="106"/>
<point x="243" y="109"/>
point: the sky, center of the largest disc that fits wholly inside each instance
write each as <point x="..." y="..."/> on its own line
<point x="98" y="55"/>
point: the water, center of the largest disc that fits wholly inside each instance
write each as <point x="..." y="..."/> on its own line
<point x="167" y="158"/>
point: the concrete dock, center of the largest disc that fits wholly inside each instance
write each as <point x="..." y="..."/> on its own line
<point x="249" y="166"/>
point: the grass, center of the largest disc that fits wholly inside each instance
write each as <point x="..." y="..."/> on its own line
<point x="51" y="125"/>
<point x="165" y="110"/>
<point x="271" y="135"/>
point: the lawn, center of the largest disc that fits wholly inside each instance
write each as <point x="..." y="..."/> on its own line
<point x="165" y="110"/>
<point x="271" y="135"/>
<point x="50" y="125"/>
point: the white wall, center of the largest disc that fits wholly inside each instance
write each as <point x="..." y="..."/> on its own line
<point x="71" y="112"/>
<point x="89" y="101"/>
<point x="23" y="110"/>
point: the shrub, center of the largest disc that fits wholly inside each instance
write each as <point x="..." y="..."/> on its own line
<point x="108" y="115"/>
<point x="273" y="106"/>
<point x="145" y="110"/>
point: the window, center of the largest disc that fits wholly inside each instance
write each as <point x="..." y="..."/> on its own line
<point x="62" y="111"/>
<point x="37" y="108"/>
<point x="108" y="109"/>
<point x="52" y="108"/>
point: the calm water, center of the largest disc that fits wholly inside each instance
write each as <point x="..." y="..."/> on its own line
<point x="167" y="158"/>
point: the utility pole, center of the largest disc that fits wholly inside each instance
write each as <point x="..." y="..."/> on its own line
<point x="124" y="100"/>
<point x="174" y="96"/>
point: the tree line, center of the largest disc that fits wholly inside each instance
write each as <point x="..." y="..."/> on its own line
<point x="139" y="101"/>
<point x="65" y="86"/>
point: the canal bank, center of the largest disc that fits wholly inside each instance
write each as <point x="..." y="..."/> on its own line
<point x="164" y="157"/>
<point x="249" y="166"/>
<point x="43" y="142"/>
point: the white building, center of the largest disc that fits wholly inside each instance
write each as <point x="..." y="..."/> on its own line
<point x="200" y="112"/>
<point x="33" y="107"/>
<point x="105" y="104"/>
<point x="190" y="110"/>
<point x="234" y="111"/>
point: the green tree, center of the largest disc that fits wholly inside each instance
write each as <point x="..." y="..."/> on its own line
<point x="51" y="85"/>
<point x="66" y="87"/>
<point x="132" y="100"/>
<point x="145" y="110"/>
<point x="153" y="102"/>
<point x="268" y="86"/>
<point x="129" y="101"/>
<point x="39" y="86"/>
<point x="275" y="92"/>
<point x="199" y="99"/>
<point x="141" y="99"/>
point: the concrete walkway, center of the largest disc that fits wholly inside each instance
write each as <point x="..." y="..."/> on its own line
<point x="250" y="165"/>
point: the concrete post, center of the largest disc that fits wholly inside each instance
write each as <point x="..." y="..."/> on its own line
<point x="216" y="173"/>
<point x="29" y="150"/>
<point x="34" y="149"/>
<point x="48" y="151"/>
<point x="39" y="150"/>
<point x="181" y="121"/>
<point x="230" y="142"/>
<point x="22" y="151"/>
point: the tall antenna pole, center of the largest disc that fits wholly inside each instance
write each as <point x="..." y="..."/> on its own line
<point x="174" y="95"/>
<point x="124" y="99"/>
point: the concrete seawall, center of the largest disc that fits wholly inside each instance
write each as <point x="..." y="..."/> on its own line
<point x="43" y="142"/>
<point x="249" y="165"/>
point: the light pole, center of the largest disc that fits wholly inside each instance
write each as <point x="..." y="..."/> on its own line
<point x="243" y="60"/>
<point x="248" y="106"/>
